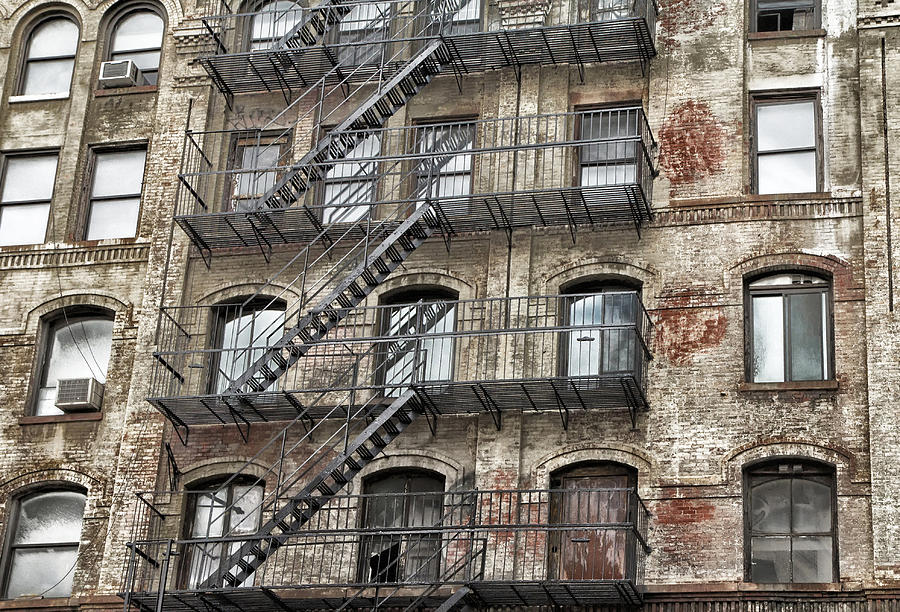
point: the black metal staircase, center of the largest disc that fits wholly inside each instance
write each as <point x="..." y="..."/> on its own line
<point x="314" y="25"/>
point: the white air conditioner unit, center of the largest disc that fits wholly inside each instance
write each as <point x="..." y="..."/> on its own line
<point x="123" y="73"/>
<point x="79" y="394"/>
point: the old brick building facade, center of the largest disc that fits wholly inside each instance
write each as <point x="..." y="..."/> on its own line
<point x="507" y="303"/>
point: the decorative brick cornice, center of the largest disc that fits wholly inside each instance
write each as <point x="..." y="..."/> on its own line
<point x="731" y="212"/>
<point x="44" y="257"/>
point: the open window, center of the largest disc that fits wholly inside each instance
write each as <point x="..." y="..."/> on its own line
<point x="76" y="350"/>
<point x="785" y="15"/>
<point x="43" y="535"/>
<point x="50" y="58"/>
<point x="789" y="526"/>
<point x="591" y="507"/>
<point x="789" y="328"/>
<point x="415" y="356"/>
<point x="218" y="511"/>
<point x="398" y="501"/>
<point x="27" y="189"/>
<point x="241" y="334"/>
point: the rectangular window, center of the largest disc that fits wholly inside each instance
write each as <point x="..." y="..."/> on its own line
<point x="611" y="159"/>
<point x="356" y="36"/>
<point x="460" y="17"/>
<point x="445" y="171"/>
<point x="256" y="164"/>
<point x="25" y="198"/>
<point x="786" y="145"/>
<point x="785" y="15"/>
<point x="115" y="194"/>
<point x="350" y="183"/>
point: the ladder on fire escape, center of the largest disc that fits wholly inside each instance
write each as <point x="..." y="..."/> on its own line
<point x="350" y="457"/>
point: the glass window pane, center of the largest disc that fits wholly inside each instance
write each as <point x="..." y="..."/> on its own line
<point x="140" y="30"/>
<point x="768" y="339"/>
<point x="147" y="61"/>
<point x="79" y="350"/>
<point x="23" y="223"/>
<point x="54" y="38"/>
<point x="770" y="508"/>
<point x="209" y="515"/>
<point x="806" y="333"/>
<point x="50" y="518"/>
<point x="770" y="559"/>
<point x="245" y="514"/>
<point x="812" y="507"/>
<point x="29" y="178"/>
<point x="245" y="339"/>
<point x="786" y="126"/>
<point x="787" y="172"/>
<point x="42" y="571"/>
<point x="812" y="559"/>
<point x="119" y="173"/>
<point x="788" y="279"/>
<point x="46" y="77"/>
<point x="113" y="218"/>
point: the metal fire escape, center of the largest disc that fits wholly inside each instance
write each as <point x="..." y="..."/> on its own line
<point x="351" y="66"/>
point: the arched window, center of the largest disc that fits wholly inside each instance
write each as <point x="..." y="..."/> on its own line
<point x="137" y="35"/>
<point x="217" y="510"/>
<point x="242" y="333"/>
<point x="271" y="21"/>
<point x="789" y="328"/>
<point x="50" y="58"/>
<point x="411" y="498"/>
<point x="789" y="529"/>
<point x="598" y="497"/>
<point x="77" y="347"/>
<point x="603" y="338"/>
<point x="414" y="316"/>
<point x="43" y="544"/>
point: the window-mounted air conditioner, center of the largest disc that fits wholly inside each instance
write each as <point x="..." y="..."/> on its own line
<point x="79" y="394"/>
<point x="123" y="73"/>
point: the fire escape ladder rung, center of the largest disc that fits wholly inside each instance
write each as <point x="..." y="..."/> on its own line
<point x="300" y="508"/>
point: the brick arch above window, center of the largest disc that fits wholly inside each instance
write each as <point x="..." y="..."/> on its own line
<point x="633" y="457"/>
<point x="95" y="486"/>
<point x="172" y="11"/>
<point x="122" y="312"/>
<point x="29" y="14"/>
<point x="601" y="270"/>
<point x="240" y="292"/>
<point x="452" y="471"/>
<point x="846" y="282"/>
<point x="734" y="462"/>
<point x="425" y="280"/>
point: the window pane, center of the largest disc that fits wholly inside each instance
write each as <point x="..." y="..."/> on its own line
<point x="141" y="30"/>
<point x="813" y="559"/>
<point x="788" y="279"/>
<point x="209" y="516"/>
<point x="54" y="38"/>
<point x="812" y="507"/>
<point x="806" y="327"/>
<point x="147" y="61"/>
<point x="244" y="340"/>
<point x="786" y="126"/>
<point x="768" y="339"/>
<point x="50" y="518"/>
<point x="770" y="509"/>
<point x="113" y="219"/>
<point x="770" y="559"/>
<point x="244" y="516"/>
<point x="79" y="350"/>
<point x="787" y="172"/>
<point x="29" y="178"/>
<point x="274" y="20"/>
<point x="48" y="77"/>
<point x="119" y="173"/>
<point x="23" y="224"/>
<point x="609" y="174"/>
<point x="46" y="571"/>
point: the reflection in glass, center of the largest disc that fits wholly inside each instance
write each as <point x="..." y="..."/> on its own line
<point x="607" y="344"/>
<point x="138" y="37"/>
<point x="244" y="339"/>
<point x="419" y="358"/>
<point x="50" y="58"/>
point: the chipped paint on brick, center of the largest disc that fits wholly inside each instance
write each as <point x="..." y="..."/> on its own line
<point x="692" y="144"/>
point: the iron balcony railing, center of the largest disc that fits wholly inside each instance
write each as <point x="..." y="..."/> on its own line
<point x="286" y="47"/>
<point x="578" y="169"/>
<point x="568" y="546"/>
<point x="556" y="352"/>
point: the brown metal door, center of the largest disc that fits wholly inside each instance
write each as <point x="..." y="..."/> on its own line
<point x="597" y="553"/>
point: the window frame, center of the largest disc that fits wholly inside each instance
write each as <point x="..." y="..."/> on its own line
<point x="122" y="14"/>
<point x="15" y="505"/>
<point x="455" y="122"/>
<point x="826" y="287"/>
<point x="246" y="41"/>
<point x="754" y="18"/>
<point x="25" y="60"/>
<point x="774" y="98"/>
<point x="577" y="137"/>
<point x="241" y="141"/>
<point x="45" y="343"/>
<point x="4" y="163"/>
<point x="90" y="173"/>
<point x="823" y="470"/>
<point x="374" y="179"/>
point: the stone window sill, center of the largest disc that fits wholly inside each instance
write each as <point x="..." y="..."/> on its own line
<point x="124" y="91"/>
<point x="61" y="418"/>
<point x="37" y="97"/>
<point x="818" y="33"/>
<point x="804" y="385"/>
